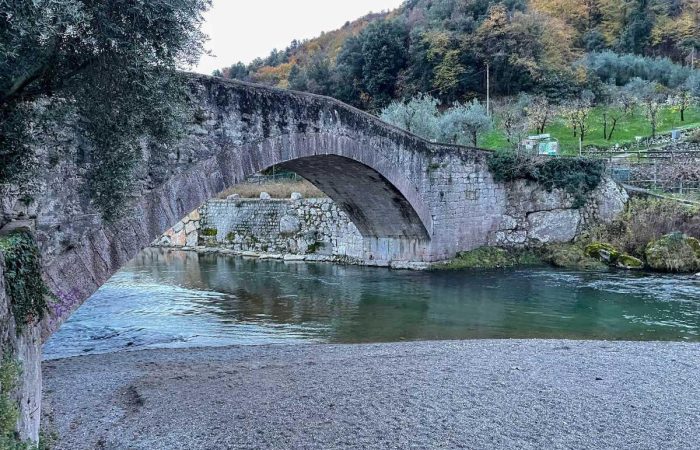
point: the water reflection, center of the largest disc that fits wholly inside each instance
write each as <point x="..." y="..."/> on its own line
<point x="166" y="299"/>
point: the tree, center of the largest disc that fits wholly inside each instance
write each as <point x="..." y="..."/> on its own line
<point x="682" y="100"/>
<point x="463" y="123"/>
<point x="539" y="112"/>
<point x="384" y="54"/>
<point x="297" y="79"/>
<point x="419" y="116"/>
<point x="319" y="77"/>
<point x="651" y="96"/>
<point x="636" y="33"/>
<point x="238" y="71"/>
<point x="448" y="69"/>
<point x="511" y="48"/>
<point x="513" y="118"/>
<point x="369" y="64"/>
<point x="113" y="64"/>
<point x="577" y="112"/>
<point x="693" y="84"/>
<point x="619" y="104"/>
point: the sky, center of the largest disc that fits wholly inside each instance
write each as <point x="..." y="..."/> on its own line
<point x="241" y="30"/>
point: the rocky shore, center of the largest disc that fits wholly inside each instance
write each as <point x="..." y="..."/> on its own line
<point x="469" y="394"/>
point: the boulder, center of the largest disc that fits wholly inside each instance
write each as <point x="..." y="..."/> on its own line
<point x="265" y="196"/>
<point x="297" y="196"/>
<point x="603" y="252"/>
<point x="674" y="252"/>
<point x="611" y="199"/>
<point x="629" y="262"/>
<point x="554" y="226"/>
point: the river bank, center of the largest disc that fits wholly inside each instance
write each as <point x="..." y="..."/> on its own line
<point x="460" y="394"/>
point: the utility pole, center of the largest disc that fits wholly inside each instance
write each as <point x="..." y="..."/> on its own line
<point x="488" y="89"/>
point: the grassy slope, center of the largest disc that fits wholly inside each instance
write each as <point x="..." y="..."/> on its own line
<point x="625" y="131"/>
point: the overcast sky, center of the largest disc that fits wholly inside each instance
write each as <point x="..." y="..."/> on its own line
<point x="241" y="30"/>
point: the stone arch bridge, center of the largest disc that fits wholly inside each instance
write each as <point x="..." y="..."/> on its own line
<point x="413" y="201"/>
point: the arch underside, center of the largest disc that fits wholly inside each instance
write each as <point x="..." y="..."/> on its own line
<point x="374" y="204"/>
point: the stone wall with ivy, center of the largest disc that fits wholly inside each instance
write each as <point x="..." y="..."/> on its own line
<point x="20" y="345"/>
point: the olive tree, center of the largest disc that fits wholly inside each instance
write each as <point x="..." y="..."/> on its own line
<point x="112" y="64"/>
<point x="420" y="116"/>
<point x="463" y="123"/>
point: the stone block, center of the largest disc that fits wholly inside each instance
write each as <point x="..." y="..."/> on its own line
<point x="289" y="225"/>
<point x="179" y="239"/>
<point x="554" y="226"/>
<point x="190" y="227"/>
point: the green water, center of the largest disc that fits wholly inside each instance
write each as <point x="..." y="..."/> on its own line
<point x="179" y="299"/>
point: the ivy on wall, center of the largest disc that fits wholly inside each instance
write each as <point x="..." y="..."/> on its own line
<point x="23" y="282"/>
<point x="577" y="176"/>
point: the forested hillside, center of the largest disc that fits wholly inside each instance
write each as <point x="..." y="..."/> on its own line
<point x="556" y="48"/>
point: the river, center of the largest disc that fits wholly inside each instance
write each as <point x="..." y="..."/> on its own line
<point x="166" y="299"/>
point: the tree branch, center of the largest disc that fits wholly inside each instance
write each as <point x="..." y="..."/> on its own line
<point x="21" y="83"/>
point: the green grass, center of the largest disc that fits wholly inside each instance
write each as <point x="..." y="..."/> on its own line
<point x="626" y="130"/>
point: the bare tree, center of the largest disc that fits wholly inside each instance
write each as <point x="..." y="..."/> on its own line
<point x="651" y="95"/>
<point x="539" y="113"/>
<point x="513" y="119"/>
<point x="577" y="112"/>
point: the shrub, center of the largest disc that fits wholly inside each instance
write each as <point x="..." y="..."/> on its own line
<point x="577" y="176"/>
<point x="674" y="252"/>
<point x="694" y="137"/>
<point x="648" y="219"/>
<point x="315" y="247"/>
<point x="210" y="232"/>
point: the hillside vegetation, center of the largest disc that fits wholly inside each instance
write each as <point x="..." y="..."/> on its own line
<point x="602" y="72"/>
<point x="443" y="47"/>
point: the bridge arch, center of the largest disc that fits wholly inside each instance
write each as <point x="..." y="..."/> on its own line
<point x="374" y="193"/>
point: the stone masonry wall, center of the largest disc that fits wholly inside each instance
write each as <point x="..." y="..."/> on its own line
<point x="24" y="346"/>
<point x="318" y="228"/>
<point x="273" y="227"/>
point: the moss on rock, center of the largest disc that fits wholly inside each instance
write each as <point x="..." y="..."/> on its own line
<point x="603" y="252"/>
<point x="491" y="258"/>
<point x="571" y="256"/>
<point x="629" y="262"/>
<point x="695" y="244"/>
<point x="674" y="252"/>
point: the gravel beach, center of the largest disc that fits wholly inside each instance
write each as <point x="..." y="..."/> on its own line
<point x="423" y="395"/>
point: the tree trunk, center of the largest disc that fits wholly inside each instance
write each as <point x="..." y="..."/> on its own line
<point x="605" y="126"/>
<point x="612" y="128"/>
